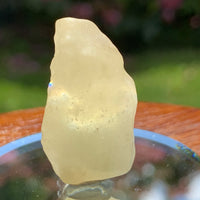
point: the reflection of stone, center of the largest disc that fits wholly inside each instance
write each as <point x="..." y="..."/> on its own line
<point x="87" y="130"/>
<point x="98" y="190"/>
<point x="111" y="198"/>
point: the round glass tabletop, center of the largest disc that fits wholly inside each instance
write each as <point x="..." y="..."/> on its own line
<point x="164" y="169"/>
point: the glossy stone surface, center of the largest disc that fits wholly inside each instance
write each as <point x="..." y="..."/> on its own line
<point x="89" y="114"/>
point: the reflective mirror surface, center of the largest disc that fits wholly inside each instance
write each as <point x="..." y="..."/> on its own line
<point x="164" y="169"/>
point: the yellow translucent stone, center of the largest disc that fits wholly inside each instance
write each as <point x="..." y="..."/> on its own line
<point x="87" y="129"/>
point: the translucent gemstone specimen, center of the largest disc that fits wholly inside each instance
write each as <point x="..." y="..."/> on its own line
<point x="87" y="129"/>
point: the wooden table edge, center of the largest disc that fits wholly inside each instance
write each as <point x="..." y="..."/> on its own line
<point x="181" y="123"/>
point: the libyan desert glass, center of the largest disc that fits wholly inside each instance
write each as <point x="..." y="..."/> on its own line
<point x="91" y="106"/>
<point x="163" y="169"/>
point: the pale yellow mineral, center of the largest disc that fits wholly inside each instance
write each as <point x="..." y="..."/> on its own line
<point x="87" y="129"/>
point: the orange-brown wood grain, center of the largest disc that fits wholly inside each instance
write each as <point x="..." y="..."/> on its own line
<point x="178" y="122"/>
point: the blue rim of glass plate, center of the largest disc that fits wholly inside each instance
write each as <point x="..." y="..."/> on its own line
<point x="139" y="133"/>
